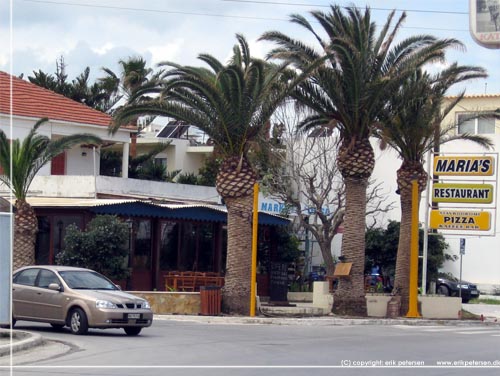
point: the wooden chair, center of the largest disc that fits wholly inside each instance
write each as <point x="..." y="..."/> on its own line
<point x="186" y="283"/>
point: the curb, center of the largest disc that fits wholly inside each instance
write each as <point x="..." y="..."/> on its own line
<point x="20" y="341"/>
<point x="321" y="321"/>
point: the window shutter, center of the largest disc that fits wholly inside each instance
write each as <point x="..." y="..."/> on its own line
<point x="58" y="164"/>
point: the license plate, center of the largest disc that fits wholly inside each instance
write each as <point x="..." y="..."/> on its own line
<point x="473" y="292"/>
<point x="134" y="316"/>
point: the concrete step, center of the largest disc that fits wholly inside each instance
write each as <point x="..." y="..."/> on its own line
<point x="291" y="311"/>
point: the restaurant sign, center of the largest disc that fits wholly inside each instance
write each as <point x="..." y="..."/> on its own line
<point x="464" y="165"/>
<point x="460" y="220"/>
<point x="463" y="193"/>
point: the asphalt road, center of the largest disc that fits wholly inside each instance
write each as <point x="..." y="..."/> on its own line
<point x="184" y="348"/>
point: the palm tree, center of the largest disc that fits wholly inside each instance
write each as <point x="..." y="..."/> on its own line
<point x="20" y="161"/>
<point x="412" y="127"/>
<point x="348" y="92"/>
<point x="133" y="77"/>
<point x="231" y="103"/>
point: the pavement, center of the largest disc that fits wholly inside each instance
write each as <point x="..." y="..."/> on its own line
<point x="19" y="343"/>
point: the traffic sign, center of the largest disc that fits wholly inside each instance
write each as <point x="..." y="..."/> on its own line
<point x="462" y="246"/>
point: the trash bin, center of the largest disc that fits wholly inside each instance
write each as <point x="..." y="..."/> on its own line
<point x="211" y="299"/>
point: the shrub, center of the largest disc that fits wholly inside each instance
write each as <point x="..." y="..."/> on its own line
<point x="103" y="247"/>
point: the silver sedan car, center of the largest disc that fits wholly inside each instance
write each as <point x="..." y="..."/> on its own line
<point x="78" y="298"/>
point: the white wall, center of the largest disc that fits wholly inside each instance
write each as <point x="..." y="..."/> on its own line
<point x="120" y="186"/>
<point x="76" y="164"/>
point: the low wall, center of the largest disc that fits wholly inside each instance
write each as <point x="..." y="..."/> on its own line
<point x="440" y="307"/>
<point x="322" y="298"/>
<point x="305" y="297"/>
<point x="376" y="304"/>
<point x="431" y="306"/>
<point x="163" y="303"/>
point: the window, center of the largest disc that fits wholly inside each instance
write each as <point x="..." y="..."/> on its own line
<point x="26" y="277"/>
<point x="142" y="249"/>
<point x="468" y="124"/>
<point x="46" y="278"/>
<point x="161" y="162"/>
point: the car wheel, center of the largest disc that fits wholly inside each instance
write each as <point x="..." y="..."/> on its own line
<point x="78" y="323"/>
<point x="132" y="330"/>
<point x="443" y="290"/>
<point x="465" y="300"/>
<point x="57" y="326"/>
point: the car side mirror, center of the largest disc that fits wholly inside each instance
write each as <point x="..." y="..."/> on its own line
<point x="55" y="287"/>
<point x="118" y="287"/>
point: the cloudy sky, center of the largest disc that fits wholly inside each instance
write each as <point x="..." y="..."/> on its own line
<point x="98" y="33"/>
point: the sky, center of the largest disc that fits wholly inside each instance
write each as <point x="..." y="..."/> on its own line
<point x="99" y="33"/>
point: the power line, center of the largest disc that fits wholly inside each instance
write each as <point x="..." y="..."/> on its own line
<point x="152" y="10"/>
<point x="149" y="10"/>
<point x="328" y="6"/>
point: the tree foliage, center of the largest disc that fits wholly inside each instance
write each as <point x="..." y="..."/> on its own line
<point x="382" y="246"/>
<point x="103" y="247"/>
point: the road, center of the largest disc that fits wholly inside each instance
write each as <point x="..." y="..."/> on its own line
<point x="268" y="349"/>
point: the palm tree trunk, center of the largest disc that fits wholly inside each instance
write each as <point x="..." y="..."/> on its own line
<point x="406" y="174"/>
<point x="25" y="229"/>
<point x="402" y="277"/>
<point x="349" y="298"/>
<point x="236" y="292"/>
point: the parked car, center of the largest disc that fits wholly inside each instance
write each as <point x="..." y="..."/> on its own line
<point x="78" y="298"/>
<point x="451" y="288"/>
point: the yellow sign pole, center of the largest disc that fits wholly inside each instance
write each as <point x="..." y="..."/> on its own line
<point x="253" y="279"/>
<point x="413" y="293"/>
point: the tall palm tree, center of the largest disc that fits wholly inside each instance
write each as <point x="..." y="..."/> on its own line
<point x="122" y="87"/>
<point x="232" y="104"/>
<point x="412" y="127"/>
<point x="348" y="92"/>
<point x="133" y="75"/>
<point x="20" y="161"/>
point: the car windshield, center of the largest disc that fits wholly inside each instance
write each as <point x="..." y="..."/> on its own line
<point x="86" y="280"/>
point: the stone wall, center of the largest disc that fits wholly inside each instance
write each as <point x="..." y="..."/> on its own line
<point x="167" y="303"/>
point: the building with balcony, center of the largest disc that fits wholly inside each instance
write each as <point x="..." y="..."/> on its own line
<point x="172" y="226"/>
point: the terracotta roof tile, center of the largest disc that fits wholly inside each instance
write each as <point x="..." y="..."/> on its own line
<point x="476" y="96"/>
<point x="34" y="101"/>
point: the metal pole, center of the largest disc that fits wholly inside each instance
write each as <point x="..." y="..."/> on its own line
<point x="413" y="293"/>
<point x="95" y="172"/>
<point x="426" y="226"/>
<point x="253" y="279"/>
<point x="462" y="252"/>
<point x="460" y="282"/>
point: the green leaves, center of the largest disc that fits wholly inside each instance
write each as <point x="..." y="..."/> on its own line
<point x="360" y="68"/>
<point x="230" y="102"/>
<point x="102" y="247"/>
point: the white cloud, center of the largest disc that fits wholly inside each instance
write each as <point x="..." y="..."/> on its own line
<point x="98" y="36"/>
<point x="104" y="48"/>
